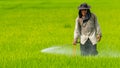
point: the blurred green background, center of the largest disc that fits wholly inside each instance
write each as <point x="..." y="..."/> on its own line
<point x="28" y="26"/>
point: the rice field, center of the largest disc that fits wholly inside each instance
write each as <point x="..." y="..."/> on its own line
<point x="27" y="27"/>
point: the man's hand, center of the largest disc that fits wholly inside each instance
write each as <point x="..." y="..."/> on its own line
<point x="74" y="42"/>
<point x="98" y="38"/>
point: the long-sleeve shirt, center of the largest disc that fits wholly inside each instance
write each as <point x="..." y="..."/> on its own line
<point x="85" y="30"/>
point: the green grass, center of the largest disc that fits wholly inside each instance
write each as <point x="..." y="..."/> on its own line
<point x="26" y="27"/>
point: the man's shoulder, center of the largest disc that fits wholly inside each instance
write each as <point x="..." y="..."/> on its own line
<point x="92" y="14"/>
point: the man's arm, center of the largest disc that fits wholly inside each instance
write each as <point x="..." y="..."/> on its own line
<point x="76" y="31"/>
<point x="98" y="30"/>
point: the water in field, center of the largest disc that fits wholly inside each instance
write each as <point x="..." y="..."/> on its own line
<point x="71" y="50"/>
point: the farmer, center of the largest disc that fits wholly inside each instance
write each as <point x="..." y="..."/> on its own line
<point x="88" y="30"/>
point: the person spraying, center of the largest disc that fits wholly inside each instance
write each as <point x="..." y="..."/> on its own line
<point x="88" y="30"/>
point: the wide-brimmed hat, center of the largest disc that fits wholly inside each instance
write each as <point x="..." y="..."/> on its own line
<point x="84" y="6"/>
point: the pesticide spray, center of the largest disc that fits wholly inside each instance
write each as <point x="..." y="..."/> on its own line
<point x="71" y="50"/>
<point x="64" y="49"/>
